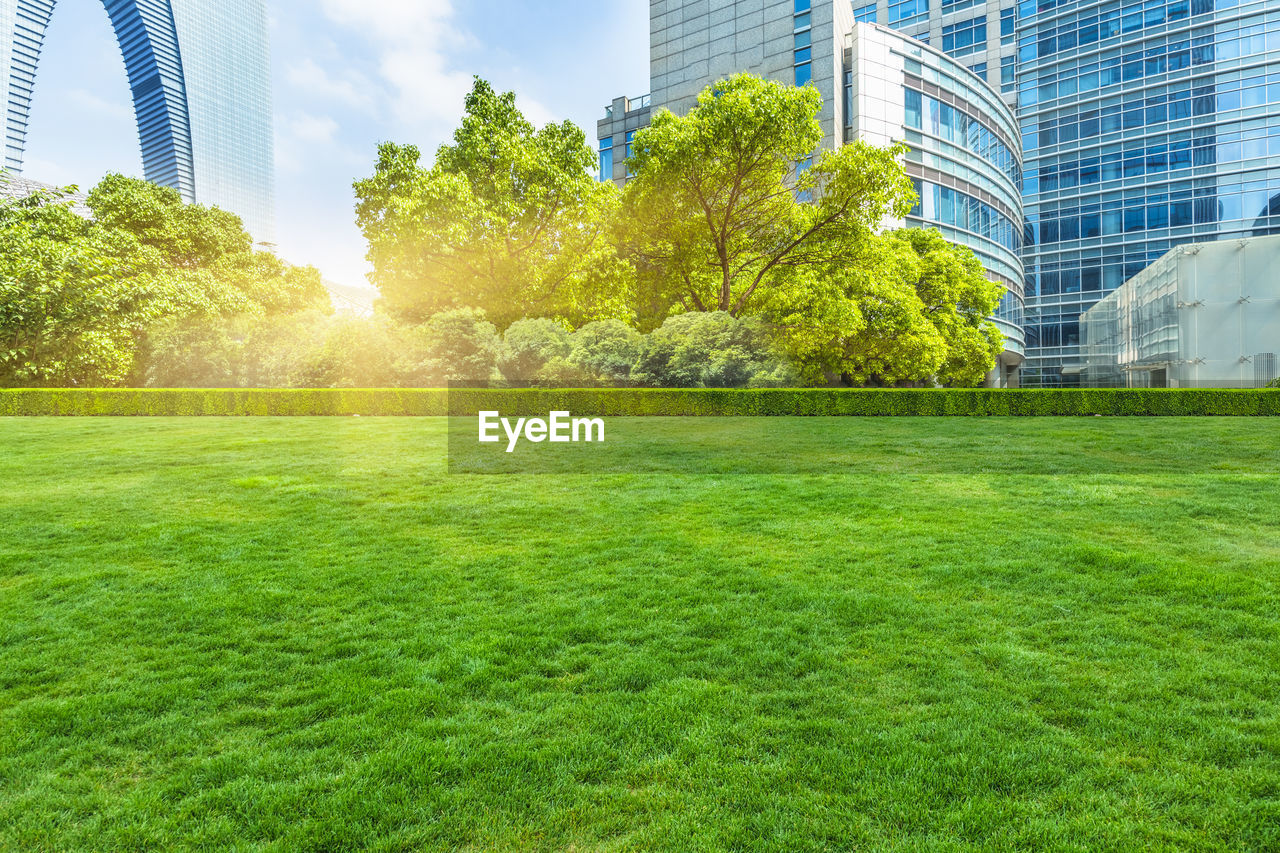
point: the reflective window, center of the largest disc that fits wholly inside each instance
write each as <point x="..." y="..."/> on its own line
<point x="965" y="37"/>
<point x="904" y="12"/>
<point x="606" y="159"/>
<point x="932" y="116"/>
<point x="951" y="207"/>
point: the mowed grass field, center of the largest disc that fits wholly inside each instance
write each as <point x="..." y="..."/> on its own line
<point x="947" y="634"/>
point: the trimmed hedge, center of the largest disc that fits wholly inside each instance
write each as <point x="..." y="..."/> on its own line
<point x="638" y="402"/>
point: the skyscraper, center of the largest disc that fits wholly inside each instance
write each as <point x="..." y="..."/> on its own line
<point x="878" y="86"/>
<point x="1145" y="125"/>
<point x="200" y="76"/>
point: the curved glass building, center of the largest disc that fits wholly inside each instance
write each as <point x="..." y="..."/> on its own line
<point x="1147" y="126"/>
<point x="200" y="77"/>
<point x="878" y="85"/>
<point x="964" y="156"/>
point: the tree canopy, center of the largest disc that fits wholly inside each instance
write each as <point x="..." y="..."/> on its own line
<point x="78" y="297"/>
<point x="507" y="220"/>
<point x="729" y="202"/>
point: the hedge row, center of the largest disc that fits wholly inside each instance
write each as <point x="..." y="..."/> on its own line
<point x="638" y="401"/>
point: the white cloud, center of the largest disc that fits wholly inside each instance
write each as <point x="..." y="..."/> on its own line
<point x="351" y="89"/>
<point x="412" y="39"/>
<point x="298" y="135"/>
<point x="313" y="129"/>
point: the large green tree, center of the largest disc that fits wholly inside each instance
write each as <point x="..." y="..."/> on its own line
<point x="912" y="309"/>
<point x="507" y="220"/>
<point x="80" y="297"/>
<point x="729" y="207"/>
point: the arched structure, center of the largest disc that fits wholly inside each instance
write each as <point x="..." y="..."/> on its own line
<point x="200" y="78"/>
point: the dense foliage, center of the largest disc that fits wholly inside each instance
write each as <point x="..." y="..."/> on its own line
<point x="80" y="298"/>
<point x="704" y="402"/>
<point x="735" y="257"/>
<point x="508" y="220"/>
<point x="318" y="350"/>
<point x="728" y="217"/>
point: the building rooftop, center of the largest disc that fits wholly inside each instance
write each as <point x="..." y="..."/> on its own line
<point x="14" y="187"/>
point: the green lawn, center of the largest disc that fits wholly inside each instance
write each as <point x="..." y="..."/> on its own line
<point x="949" y="634"/>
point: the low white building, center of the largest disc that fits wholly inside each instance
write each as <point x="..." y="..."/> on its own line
<point x="1203" y="316"/>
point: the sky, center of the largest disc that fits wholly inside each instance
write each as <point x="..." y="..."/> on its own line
<point x="348" y="74"/>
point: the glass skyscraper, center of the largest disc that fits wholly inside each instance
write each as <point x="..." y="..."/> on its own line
<point x="1145" y="125"/>
<point x="880" y="86"/>
<point x="199" y="72"/>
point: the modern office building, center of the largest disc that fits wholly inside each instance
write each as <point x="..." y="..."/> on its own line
<point x="200" y="76"/>
<point x="963" y="156"/>
<point x="1206" y="315"/>
<point x="878" y="86"/>
<point x="1145" y="125"/>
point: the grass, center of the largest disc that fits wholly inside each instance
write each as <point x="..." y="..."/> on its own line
<point x="947" y="634"/>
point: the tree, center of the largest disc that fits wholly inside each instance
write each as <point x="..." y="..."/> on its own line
<point x="507" y="220"/>
<point x="527" y="347"/>
<point x="74" y="299"/>
<point x="80" y="298"/>
<point x="713" y="350"/>
<point x="958" y="300"/>
<point x="186" y="235"/>
<point x="724" y="206"/>
<point x="912" y="309"/>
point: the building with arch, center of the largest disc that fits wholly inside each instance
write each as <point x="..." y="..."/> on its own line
<point x="199" y="73"/>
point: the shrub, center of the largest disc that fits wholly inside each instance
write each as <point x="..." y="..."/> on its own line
<point x="453" y="346"/>
<point x="606" y="350"/>
<point x="710" y="350"/>
<point x="644" y="401"/>
<point x="528" y="346"/>
<point x="312" y="349"/>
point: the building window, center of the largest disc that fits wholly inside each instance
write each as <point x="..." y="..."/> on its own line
<point x="865" y="14"/>
<point x="1008" y="23"/>
<point x="965" y="37"/>
<point x="980" y="69"/>
<point x="926" y="113"/>
<point x="905" y="12"/>
<point x="631" y="135"/>
<point x="606" y="159"/>
<point x="803" y="45"/>
<point x="803" y="6"/>
<point x="849" y="103"/>
<point x="949" y="6"/>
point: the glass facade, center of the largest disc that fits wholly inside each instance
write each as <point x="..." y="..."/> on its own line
<point x="963" y="155"/>
<point x="1146" y="126"/>
<point x="965" y="37"/>
<point x="1203" y="316"/>
<point x="1142" y="125"/>
<point x="200" y="77"/>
